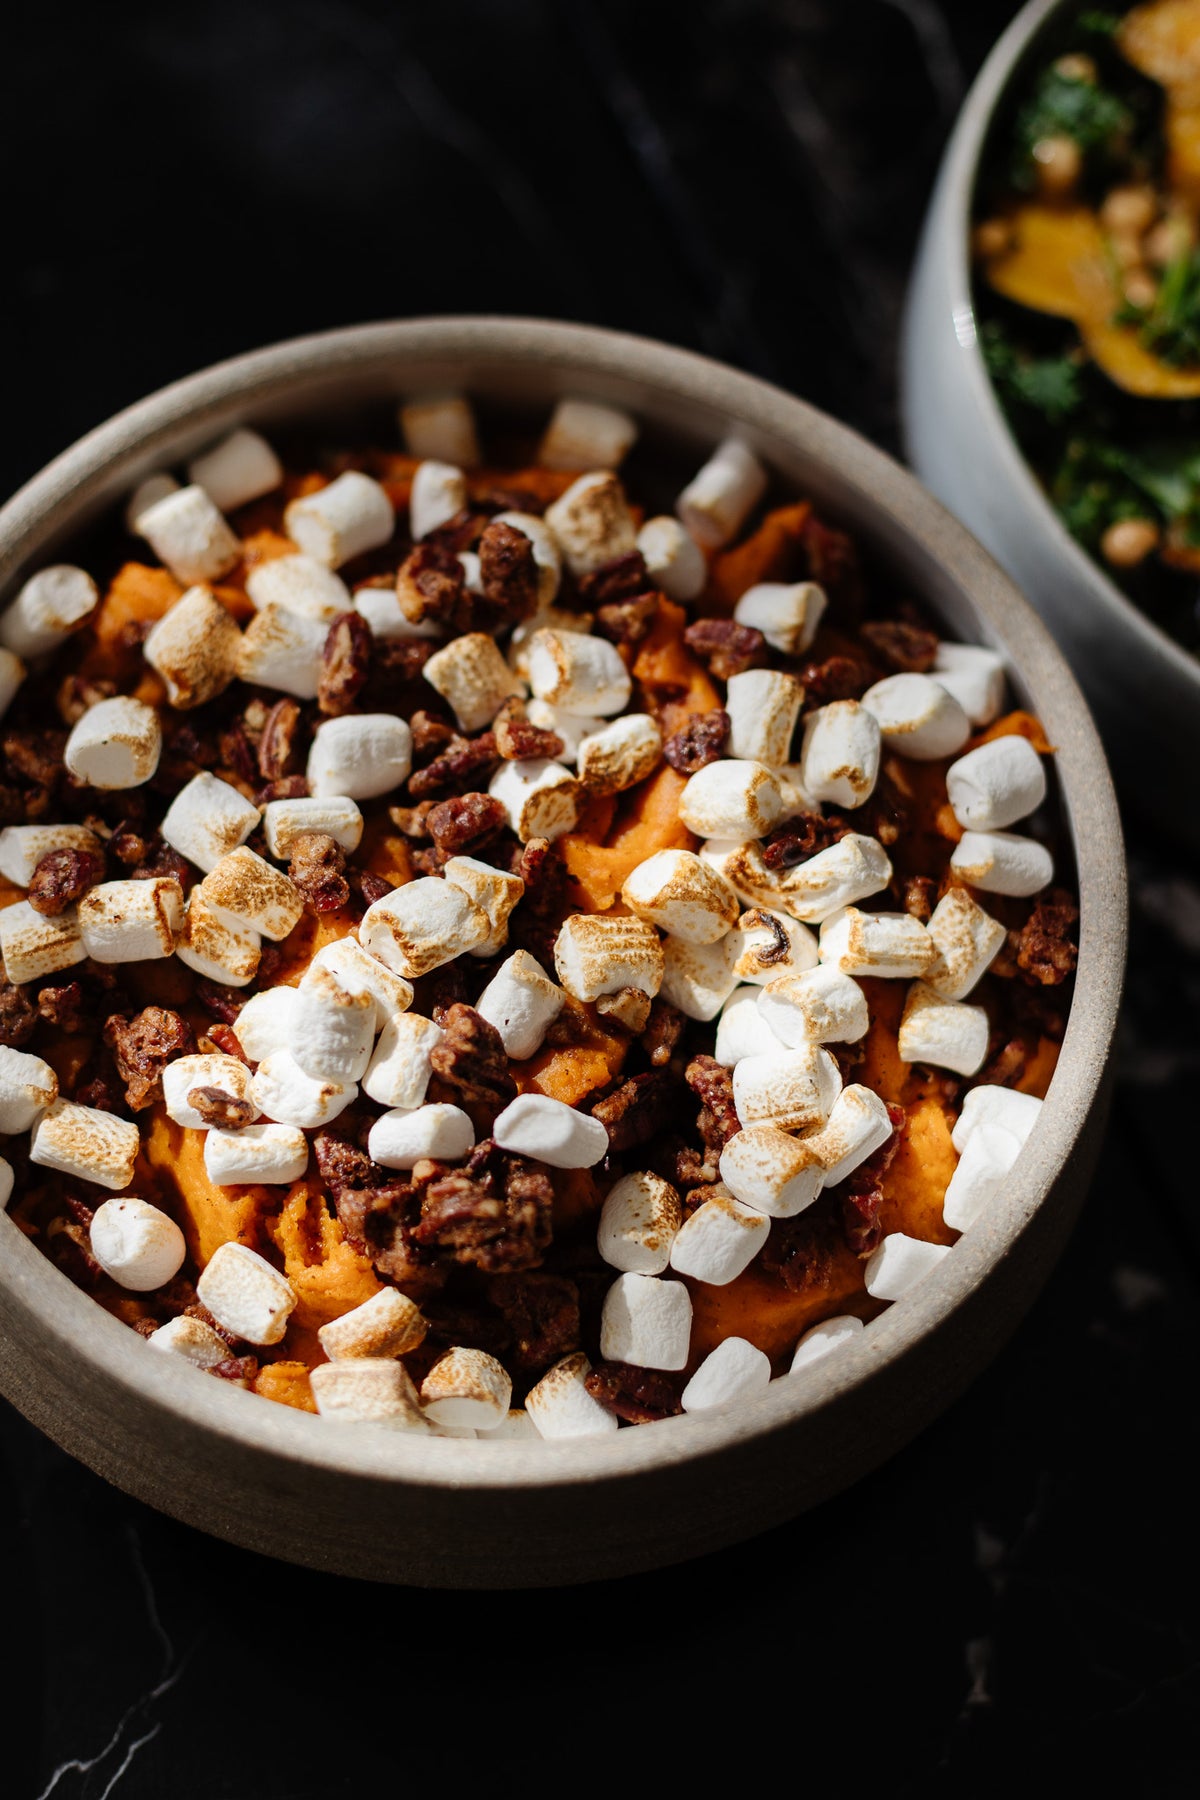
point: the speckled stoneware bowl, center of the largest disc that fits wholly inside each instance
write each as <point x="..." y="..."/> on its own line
<point x="1144" y="686"/>
<point x="468" y="1513"/>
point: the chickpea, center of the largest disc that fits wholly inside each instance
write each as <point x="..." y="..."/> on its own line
<point x="1129" y="542"/>
<point x="1059" y="165"/>
<point x="1077" y="67"/>
<point x="1140" y="288"/>
<point x="1129" y="210"/>
<point x="992" y="238"/>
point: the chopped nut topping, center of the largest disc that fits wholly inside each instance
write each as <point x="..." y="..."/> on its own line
<point x="345" y="663"/>
<point x="726" y="648"/>
<point x="63" y="877"/>
<point x="700" y="740"/>
<point x="316" y="867"/>
<point x="142" y="1047"/>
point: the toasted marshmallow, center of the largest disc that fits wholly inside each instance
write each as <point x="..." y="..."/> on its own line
<point x="596" y="954"/>
<point x="793" y="1089"/>
<point x="515" y="1424"/>
<point x="676" y="891"/>
<point x="579" y="672"/>
<point x="966" y="940"/>
<point x="282" y="1091"/>
<point x="192" y="1339"/>
<point x="917" y="716"/>
<point x="763" y="706"/>
<point x="674" y="560"/>
<point x="214" y="948"/>
<point x="770" y="946"/>
<point x="552" y="1132"/>
<point x="850" y="870"/>
<point x="467" y="1387"/>
<point x="620" y="755"/>
<point x="136" y="1244"/>
<point x="347" y="961"/>
<point x="298" y="584"/>
<point x="335" y="815"/>
<point x="720" y="497"/>
<point x="116" y="744"/>
<point x="335" y="1028"/>
<point x="245" y="1294"/>
<point x="740" y="861"/>
<point x="359" y="756"/>
<point x="33" y="944"/>
<point x="996" y="784"/>
<point x="546" y="555"/>
<point x="839" y="758"/>
<point x="353" y="514"/>
<point x="241" y="468"/>
<point x="899" y="1263"/>
<point x="731" y="799"/>
<point x="817" y="1006"/>
<point x="368" y="1390"/>
<point x="735" y="1370"/>
<point x="207" y="819"/>
<point x="561" y="1407"/>
<point x="541" y="798"/>
<point x="439" y="490"/>
<point x="400" y="1139"/>
<point x="742" y="1029"/>
<point x="267" y="1022"/>
<point x="987" y="1105"/>
<point x="440" y="426"/>
<point x="388" y="1324"/>
<point x="889" y="945"/>
<point x="420" y="926"/>
<point x="131" y="921"/>
<point x="208" y="1069"/>
<point x="974" y="676"/>
<point x="493" y="890"/>
<point x="188" y="533"/>
<point x="281" y="650"/>
<point x="12" y="674"/>
<point x="547" y="618"/>
<point x="638" y="1222"/>
<point x="699" y="978"/>
<point x="399" y="1070"/>
<point x="946" y="1033"/>
<point x="981" y="1173"/>
<point x="786" y="612"/>
<point x="857" y="1126"/>
<point x="522" y="1002"/>
<point x="266" y="1155"/>
<point x="195" y="647"/>
<point x="772" y="1172"/>
<point x="470" y="673"/>
<point x="51" y="605"/>
<point x="583" y="434"/>
<point x="646" y="1321"/>
<point x="717" y="1241"/>
<point x="6" y="1182"/>
<point x="22" y="847"/>
<point x="592" y="523"/>
<point x="146" y="494"/>
<point x="27" y="1087"/>
<point x="821" y="1339"/>
<point x="242" y="890"/>
<point x="572" y="728"/>
<point x="1002" y="862"/>
<point x="84" y="1142"/>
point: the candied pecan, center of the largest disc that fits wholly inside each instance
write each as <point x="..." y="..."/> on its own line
<point x="726" y="648"/>
<point x="712" y="1084"/>
<point x="862" y="1199"/>
<point x="436" y="993"/>
<point x="664" y="1028"/>
<point x="288" y="787"/>
<point x="366" y="887"/>
<point x="542" y="1313"/>
<point x="639" y="1396"/>
<point x="411" y="819"/>
<point x="494" y="1213"/>
<point x="836" y="678"/>
<point x="101" y="1089"/>
<point x="1046" y="953"/>
<point x="619" y="579"/>
<point x="508" y="571"/>
<point x="453" y="770"/>
<point x="461" y="532"/>
<point x="18" y="1014"/>
<point x="278" y="746"/>
<point x="237" y="752"/>
<point x="238" y="1369"/>
<point x="1005" y="1067"/>
<point x="919" y="892"/>
<point x="833" y="562"/>
<point x="431" y="581"/>
<point x="638" y="1110"/>
<point x="128" y="845"/>
<point x="500" y="498"/>
<point x="36" y="756"/>
<point x="142" y="1046"/>
<point x="468" y="1323"/>
<point x="802" y="837"/>
<point x="316" y="866"/>
<point x="77" y="694"/>
<point x="629" y="1007"/>
<point x="519" y="741"/>
<point x="429" y="734"/>
<point x="226" y="1040"/>
<point x="463" y="824"/>
<point x="342" y="1164"/>
<point x="885" y="814"/>
<point x="471" y="1058"/>
<point x="162" y="861"/>
<point x="400" y="659"/>
<point x="345" y="663"/>
<point x="801" y="1250"/>
<point x="379" y="1222"/>
<point x="64" y="1007"/>
<point x="61" y="878"/>
<point x="627" y="621"/>
<point x="699" y="741"/>
<point x="68" y="1243"/>
<point x="224" y="1003"/>
<point x="534" y="922"/>
<point x="907" y="649"/>
<point x="217" y="1108"/>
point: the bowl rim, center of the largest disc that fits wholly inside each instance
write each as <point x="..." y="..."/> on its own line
<point x="958" y="178"/>
<point x="184" y="1398"/>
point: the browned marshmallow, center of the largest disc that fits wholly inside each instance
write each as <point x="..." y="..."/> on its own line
<point x="34" y="945"/>
<point x="470" y="673"/>
<point x="596" y="954"/>
<point x="966" y="941"/>
<point x="195" y="648"/>
<point x="592" y="522"/>
<point x="619" y="756"/>
<point x="676" y="891"/>
<point x="388" y="1324"/>
<point x="84" y="1142"/>
<point x="422" y="925"/>
<point x="243" y="890"/>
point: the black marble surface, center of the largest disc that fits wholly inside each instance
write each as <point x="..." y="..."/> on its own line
<point x="1013" y="1600"/>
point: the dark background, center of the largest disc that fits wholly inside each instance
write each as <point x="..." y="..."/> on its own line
<point x="1014" y="1598"/>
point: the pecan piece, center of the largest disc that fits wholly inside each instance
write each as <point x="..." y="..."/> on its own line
<point x="224" y="1003"/>
<point x="664" y="1029"/>
<point x="712" y="1084"/>
<point x="1046" y="952"/>
<point x="638" y="1110"/>
<point x="639" y="1396"/>
<point x="18" y="1014"/>
<point x="430" y="586"/>
<point x="219" y="1109"/>
<point x="907" y="649"/>
<point x="919" y="892"/>
<point x="699" y="741"/>
<point x="508" y="571"/>
<point x="837" y="678"/>
<point x="142" y="1047"/>
<point x="345" y="663"/>
<point x="77" y="694"/>
<point x="63" y="877"/>
<point x="833" y="562"/>
<point x="36" y="756"/>
<point x="465" y="823"/>
<point x="534" y="922"/>
<point x="226" y="1040"/>
<point x="494" y="1213"/>
<point x="64" y="1007"/>
<point x="542" y="1313"/>
<point x="163" y="861"/>
<point x="316" y="867"/>
<point x="628" y="1007"/>
<point x="452" y="772"/>
<point x="519" y="741"/>
<point x="620" y="579"/>
<point x="726" y="648"/>
<point x="471" y="1058"/>
<point x="627" y="621"/>
<point x="278" y="746"/>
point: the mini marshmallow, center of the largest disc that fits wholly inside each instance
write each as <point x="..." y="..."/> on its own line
<point x="592" y="523"/>
<point x="244" y="890"/>
<point x="676" y="891"/>
<point x="742" y="1029"/>
<point x="467" y="1387"/>
<point x="966" y="941"/>
<point x="770" y="946"/>
<point x="131" y="921"/>
<point x="979" y="1176"/>
<point x="817" y="1006"/>
<point x="335" y="815"/>
<point x="547" y="618"/>
<point x="852" y="869"/>
<point x="974" y="676"/>
<point x="857" y="1126"/>
<point x="772" y="1172"/>
<point x="353" y="514"/>
<point x="388" y="1324"/>
<point x="207" y="819"/>
<point x="580" y="673"/>
<point x="367" y="1390"/>
<point x="546" y="555"/>
<point x="116" y="744"/>
<point x="298" y="584"/>
<point x="646" y="1321"/>
<point x="516" y="1423"/>
<point x="720" y="497"/>
<point x="583" y="434"/>
<point x="839" y="757"/>
<point x="335" y="1028"/>
<point x="987" y="1105"/>
<point x="439" y="490"/>
<point x="470" y="673"/>
<point x="699" y="978"/>
<point x="996" y="784"/>
<point x="674" y="560"/>
<point x="241" y="468"/>
<point x="282" y="650"/>
<point x="560" y="1405"/>
<point x="793" y="1089"/>
<point x="12" y="674"/>
<point x="195" y="647"/>
<point x="541" y="798"/>
<point x="440" y="426"/>
<point x="494" y="891"/>
<point x="190" y="535"/>
<point x="572" y="728"/>
<point x="917" y="716"/>
<point x="84" y="1142"/>
<point x="731" y="798"/>
<point x="6" y="1182"/>
<point x="359" y="757"/>
<point x="716" y="1242"/>
<point x="22" y="847"/>
<point x="638" y="1222"/>
<point x="399" y="1070"/>
<point x="192" y="1339"/>
<point x="522" y="1002"/>
<point x="1002" y="862"/>
<point x="136" y="1244"/>
<point x="620" y="755"/>
<point x="245" y="1294"/>
<point x="892" y="946"/>
<point x="206" y="1069"/>
<point x="27" y="1087"/>
<point x="146" y="494"/>
<point x="33" y="944"/>
<point x="821" y="1339"/>
<point x="420" y="926"/>
<point x="597" y="954"/>
<point x="349" y="964"/>
<point x="735" y="1370"/>
<point x="282" y="1091"/>
<point x="763" y="706"/>
<point x="786" y="612"/>
<point x="50" y="606"/>
<point x="552" y="1132"/>
<point x="946" y="1033"/>
<point x="400" y="1139"/>
<point x="266" y="1155"/>
<point x="899" y="1264"/>
<point x="267" y="1022"/>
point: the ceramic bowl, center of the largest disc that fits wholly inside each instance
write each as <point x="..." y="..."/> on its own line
<point x="469" y="1513"/>
<point x="1144" y="687"/>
